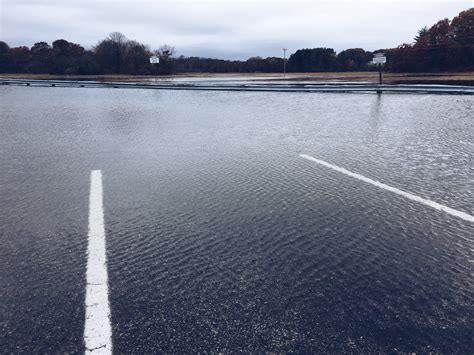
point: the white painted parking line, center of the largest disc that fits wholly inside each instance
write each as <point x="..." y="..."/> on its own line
<point x="97" y="330"/>
<point x="429" y="203"/>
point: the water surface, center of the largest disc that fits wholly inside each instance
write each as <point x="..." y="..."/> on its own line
<point x="220" y="237"/>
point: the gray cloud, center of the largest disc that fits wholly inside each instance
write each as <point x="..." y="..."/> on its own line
<point x="225" y="29"/>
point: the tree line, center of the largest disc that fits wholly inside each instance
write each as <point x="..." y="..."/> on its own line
<point x="445" y="46"/>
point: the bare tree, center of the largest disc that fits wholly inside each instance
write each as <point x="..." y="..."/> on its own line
<point x="165" y="52"/>
<point x="111" y="51"/>
<point x="118" y="38"/>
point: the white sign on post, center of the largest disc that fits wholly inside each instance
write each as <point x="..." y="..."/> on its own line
<point x="154" y="60"/>
<point x="379" y="58"/>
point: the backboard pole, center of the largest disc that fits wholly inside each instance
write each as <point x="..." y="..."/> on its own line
<point x="380" y="74"/>
<point x="154" y="60"/>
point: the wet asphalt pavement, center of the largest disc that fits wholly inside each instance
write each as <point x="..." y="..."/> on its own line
<point x="221" y="238"/>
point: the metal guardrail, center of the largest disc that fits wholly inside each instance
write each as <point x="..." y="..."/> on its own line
<point x="258" y="87"/>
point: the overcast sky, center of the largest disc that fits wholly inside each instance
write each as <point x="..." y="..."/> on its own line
<point x="225" y="29"/>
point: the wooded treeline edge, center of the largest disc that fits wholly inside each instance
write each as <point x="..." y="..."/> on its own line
<point x="446" y="46"/>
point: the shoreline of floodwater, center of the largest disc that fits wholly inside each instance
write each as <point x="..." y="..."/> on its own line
<point x="356" y="77"/>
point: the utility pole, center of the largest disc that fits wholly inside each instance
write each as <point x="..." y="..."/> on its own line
<point x="284" y="60"/>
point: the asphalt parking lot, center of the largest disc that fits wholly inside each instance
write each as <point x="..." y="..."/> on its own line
<point x="165" y="221"/>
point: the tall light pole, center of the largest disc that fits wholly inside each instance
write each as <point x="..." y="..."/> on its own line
<point x="284" y="60"/>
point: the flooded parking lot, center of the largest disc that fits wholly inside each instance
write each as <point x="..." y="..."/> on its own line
<point x="221" y="237"/>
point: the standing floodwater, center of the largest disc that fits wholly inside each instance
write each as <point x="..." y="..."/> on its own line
<point x="221" y="238"/>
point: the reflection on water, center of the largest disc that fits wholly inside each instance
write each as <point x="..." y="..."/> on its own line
<point x="220" y="238"/>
